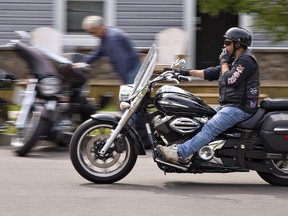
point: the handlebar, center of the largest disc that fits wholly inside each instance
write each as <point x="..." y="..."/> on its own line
<point x="172" y="75"/>
<point x="186" y="78"/>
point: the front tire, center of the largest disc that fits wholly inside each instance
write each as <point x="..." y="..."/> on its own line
<point x="275" y="179"/>
<point x="85" y="145"/>
<point x="27" y="137"/>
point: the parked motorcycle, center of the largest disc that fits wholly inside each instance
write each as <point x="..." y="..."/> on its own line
<point x="54" y="102"/>
<point x="104" y="149"/>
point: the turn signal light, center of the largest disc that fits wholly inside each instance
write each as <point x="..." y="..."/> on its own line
<point x="124" y="105"/>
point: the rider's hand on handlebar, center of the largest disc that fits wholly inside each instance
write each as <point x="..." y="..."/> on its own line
<point x="179" y="66"/>
<point x="184" y="72"/>
<point x="177" y="73"/>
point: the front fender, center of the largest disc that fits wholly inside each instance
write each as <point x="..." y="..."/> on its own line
<point x="107" y="117"/>
<point x="112" y="118"/>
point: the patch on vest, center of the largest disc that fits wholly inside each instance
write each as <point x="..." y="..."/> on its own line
<point x="253" y="96"/>
<point x="236" y="74"/>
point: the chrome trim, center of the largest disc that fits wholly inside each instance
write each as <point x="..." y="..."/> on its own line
<point x="184" y="125"/>
<point x="281" y="130"/>
<point x="206" y="152"/>
<point x="172" y="104"/>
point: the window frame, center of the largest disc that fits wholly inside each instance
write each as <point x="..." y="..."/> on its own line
<point x="84" y="40"/>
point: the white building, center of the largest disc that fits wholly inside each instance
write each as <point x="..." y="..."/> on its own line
<point x="141" y="19"/>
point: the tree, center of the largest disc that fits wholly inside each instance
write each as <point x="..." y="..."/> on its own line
<point x="269" y="16"/>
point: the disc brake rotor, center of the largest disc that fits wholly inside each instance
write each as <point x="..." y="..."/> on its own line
<point x="93" y="148"/>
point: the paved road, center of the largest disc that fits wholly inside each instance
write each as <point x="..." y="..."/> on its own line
<point x="45" y="183"/>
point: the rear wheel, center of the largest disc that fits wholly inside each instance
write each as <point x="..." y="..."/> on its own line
<point x="85" y="145"/>
<point x="275" y="179"/>
<point x="27" y="137"/>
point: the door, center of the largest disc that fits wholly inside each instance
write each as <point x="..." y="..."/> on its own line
<point x="209" y="37"/>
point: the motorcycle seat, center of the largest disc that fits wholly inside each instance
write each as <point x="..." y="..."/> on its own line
<point x="253" y="121"/>
<point x="274" y="104"/>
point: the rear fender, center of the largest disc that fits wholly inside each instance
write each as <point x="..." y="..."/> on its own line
<point x="135" y="138"/>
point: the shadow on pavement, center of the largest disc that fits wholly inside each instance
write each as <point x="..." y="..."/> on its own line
<point x="191" y="189"/>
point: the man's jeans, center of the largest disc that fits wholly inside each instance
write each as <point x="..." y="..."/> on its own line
<point x="225" y="118"/>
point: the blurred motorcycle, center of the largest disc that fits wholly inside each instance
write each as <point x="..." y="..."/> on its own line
<point x="55" y="100"/>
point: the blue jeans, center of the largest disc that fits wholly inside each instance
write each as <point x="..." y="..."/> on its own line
<point x="225" y="118"/>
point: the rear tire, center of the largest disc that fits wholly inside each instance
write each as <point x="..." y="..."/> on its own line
<point x="275" y="179"/>
<point x="85" y="145"/>
<point x="27" y="137"/>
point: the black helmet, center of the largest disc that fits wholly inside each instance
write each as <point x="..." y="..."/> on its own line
<point x="239" y="35"/>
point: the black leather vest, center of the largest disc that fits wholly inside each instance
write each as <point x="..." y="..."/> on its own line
<point x="245" y="95"/>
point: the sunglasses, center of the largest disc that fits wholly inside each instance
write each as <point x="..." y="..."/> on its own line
<point x="227" y="43"/>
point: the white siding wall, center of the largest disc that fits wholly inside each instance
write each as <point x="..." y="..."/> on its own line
<point x="23" y="15"/>
<point x="260" y="39"/>
<point x="143" y="19"/>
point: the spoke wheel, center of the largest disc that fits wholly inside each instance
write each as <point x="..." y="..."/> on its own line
<point x="85" y="146"/>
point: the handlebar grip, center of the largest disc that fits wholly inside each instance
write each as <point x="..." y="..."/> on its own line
<point x="186" y="78"/>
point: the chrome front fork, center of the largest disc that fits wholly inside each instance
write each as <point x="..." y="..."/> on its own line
<point x="28" y="101"/>
<point x="123" y="121"/>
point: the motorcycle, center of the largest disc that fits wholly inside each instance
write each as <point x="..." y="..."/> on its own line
<point x="55" y="100"/>
<point x="104" y="149"/>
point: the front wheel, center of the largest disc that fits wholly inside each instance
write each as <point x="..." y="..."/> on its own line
<point x="27" y="137"/>
<point x="85" y="145"/>
<point x="275" y="179"/>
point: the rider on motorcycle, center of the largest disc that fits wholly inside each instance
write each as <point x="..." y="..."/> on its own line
<point x="238" y="76"/>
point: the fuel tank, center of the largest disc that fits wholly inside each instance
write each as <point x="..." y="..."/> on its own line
<point x="173" y="100"/>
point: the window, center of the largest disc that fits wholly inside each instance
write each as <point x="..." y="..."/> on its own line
<point x="70" y="13"/>
<point x="77" y="10"/>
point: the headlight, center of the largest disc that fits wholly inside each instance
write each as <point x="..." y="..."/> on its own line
<point x="49" y="86"/>
<point x="125" y="91"/>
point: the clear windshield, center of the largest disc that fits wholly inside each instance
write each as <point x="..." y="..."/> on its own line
<point x="146" y="71"/>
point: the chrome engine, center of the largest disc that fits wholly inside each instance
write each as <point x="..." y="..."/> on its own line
<point x="184" y="125"/>
<point x="173" y="129"/>
<point x="207" y="152"/>
<point x="181" y="125"/>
